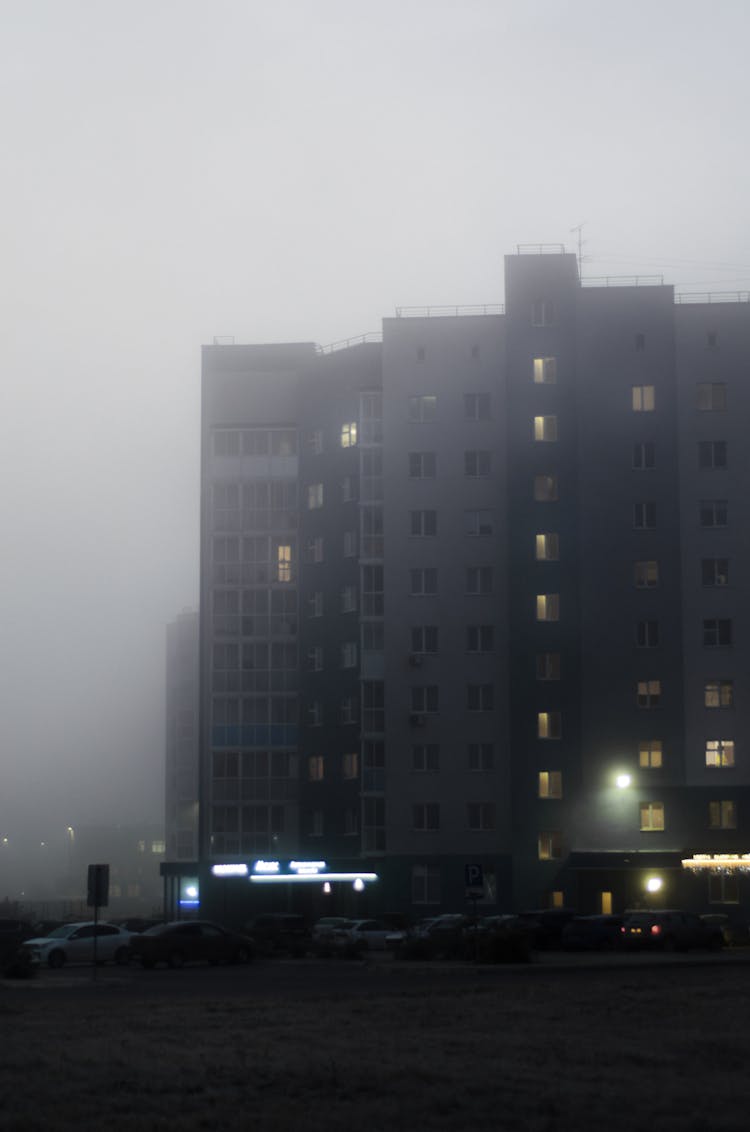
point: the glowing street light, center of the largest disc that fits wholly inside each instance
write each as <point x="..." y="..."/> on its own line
<point x="654" y="884"/>
<point x="623" y="781"/>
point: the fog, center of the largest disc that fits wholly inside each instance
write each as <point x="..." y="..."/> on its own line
<point x="178" y="169"/>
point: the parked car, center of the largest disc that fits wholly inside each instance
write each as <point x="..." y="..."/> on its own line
<point x="669" y="930"/>
<point x="12" y="935"/>
<point x="546" y="926"/>
<point x="371" y="932"/>
<point x="592" y="933"/>
<point x="328" y="924"/>
<point x="280" y="934"/>
<point x="191" y="941"/>
<point x="736" y="933"/>
<point x="438" y="937"/>
<point x="74" y="943"/>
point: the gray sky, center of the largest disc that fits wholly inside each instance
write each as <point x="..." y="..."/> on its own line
<point x="176" y="169"/>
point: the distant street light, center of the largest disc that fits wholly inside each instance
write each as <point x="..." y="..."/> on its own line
<point x="623" y="781"/>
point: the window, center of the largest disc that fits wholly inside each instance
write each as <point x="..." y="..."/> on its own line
<point x="348" y="489"/>
<point x="420" y="353"/>
<point x="644" y="516"/>
<point x="647" y="634"/>
<point x="652" y="817"/>
<point x="481" y="757"/>
<point x="480" y="816"/>
<point x="643" y="398"/>
<point x="545" y="428"/>
<point x="349" y="654"/>
<point x="545" y="489"/>
<point x="714" y="512"/>
<point x="315" y="768"/>
<point x="349" y="434"/>
<point x="640" y="342"/>
<point x="718" y="693"/>
<point x="717" y="632"/>
<point x="315" y="604"/>
<point x="715" y="571"/>
<point x="315" y="714"/>
<point x="373" y="636"/>
<point x="478" y="580"/>
<point x="349" y="599"/>
<point x="720" y="752"/>
<point x="711" y="338"/>
<point x="426" y="817"/>
<point x="283" y="563"/>
<point x="227" y="443"/>
<point x="348" y="710"/>
<point x="424" y="639"/>
<point x="315" y="658"/>
<point x="424" y="699"/>
<point x="478" y="524"/>
<point x="351" y="822"/>
<point x="372" y="532"/>
<point x="722" y="815"/>
<point x="547" y="547"/>
<point x="423" y="524"/>
<point x="646" y="575"/>
<point x="374" y="824"/>
<point x="423" y="407"/>
<point x="650" y="754"/>
<point x="372" y="591"/>
<point x="712" y="454"/>
<point x="477" y="406"/>
<point x="548" y="607"/>
<point x="314" y="496"/>
<point x="475" y="352"/>
<point x="477" y="463"/>
<point x="480" y="638"/>
<point x="542" y="312"/>
<point x="549" y="845"/>
<point x="544" y="371"/>
<point x="425" y="758"/>
<point x="315" y="549"/>
<point x="548" y="666"/>
<point x="422" y="465"/>
<point x="723" y="889"/>
<point x="350" y="544"/>
<point x="550" y="784"/>
<point x="549" y="725"/>
<point x="315" y="441"/>
<point x="644" y="456"/>
<point x="350" y="764"/>
<point x="423" y="581"/>
<point x="649" y="693"/>
<point x="711" y="396"/>
<point x="480" y="697"/>
<point x="425" y="884"/>
<point x="316" y="823"/>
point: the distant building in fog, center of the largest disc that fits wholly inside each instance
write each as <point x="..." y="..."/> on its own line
<point x="474" y="594"/>
<point x="181" y="762"/>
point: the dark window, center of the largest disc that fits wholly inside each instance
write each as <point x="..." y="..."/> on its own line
<point x="644" y="455"/>
<point x="717" y="632"/>
<point x="714" y="512"/>
<point x="644" y="516"/>
<point x="712" y="454"/>
<point x="647" y="634"/>
<point x="711" y="396"/>
<point x="715" y="571"/>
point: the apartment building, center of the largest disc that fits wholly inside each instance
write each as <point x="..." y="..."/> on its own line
<point x="472" y="594"/>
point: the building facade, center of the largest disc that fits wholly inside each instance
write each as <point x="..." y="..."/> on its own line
<point x="473" y="593"/>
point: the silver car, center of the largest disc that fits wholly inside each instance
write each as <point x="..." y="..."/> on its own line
<point x="74" y="943"/>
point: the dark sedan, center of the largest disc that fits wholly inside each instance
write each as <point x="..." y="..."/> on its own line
<point x="191" y="941"/>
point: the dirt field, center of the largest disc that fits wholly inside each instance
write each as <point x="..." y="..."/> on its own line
<point x="538" y="1051"/>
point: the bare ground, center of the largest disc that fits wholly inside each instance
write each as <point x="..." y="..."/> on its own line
<point x="664" y="1050"/>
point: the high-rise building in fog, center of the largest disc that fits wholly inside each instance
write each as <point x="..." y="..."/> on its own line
<point x="473" y="592"/>
<point x="181" y="764"/>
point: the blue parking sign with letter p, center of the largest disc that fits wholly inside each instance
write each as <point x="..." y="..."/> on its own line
<point x="474" y="876"/>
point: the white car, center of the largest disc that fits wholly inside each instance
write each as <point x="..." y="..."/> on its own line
<point x="74" y="943"/>
<point x="370" y="932"/>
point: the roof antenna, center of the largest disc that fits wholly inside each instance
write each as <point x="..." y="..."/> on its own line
<point x="579" y="229"/>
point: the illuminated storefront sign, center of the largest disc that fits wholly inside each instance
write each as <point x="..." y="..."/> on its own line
<point x="292" y="872"/>
<point x="718" y="862"/>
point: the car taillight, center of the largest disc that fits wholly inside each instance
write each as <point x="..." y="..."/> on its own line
<point x="655" y="929"/>
<point x="623" y="930"/>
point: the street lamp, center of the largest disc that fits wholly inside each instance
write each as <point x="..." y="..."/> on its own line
<point x="623" y="781"/>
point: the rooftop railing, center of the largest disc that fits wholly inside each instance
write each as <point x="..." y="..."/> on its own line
<point x="540" y="249"/>
<point x="346" y="343"/>
<point x="713" y="297"/>
<point x="450" y="312"/>
<point x="623" y="281"/>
